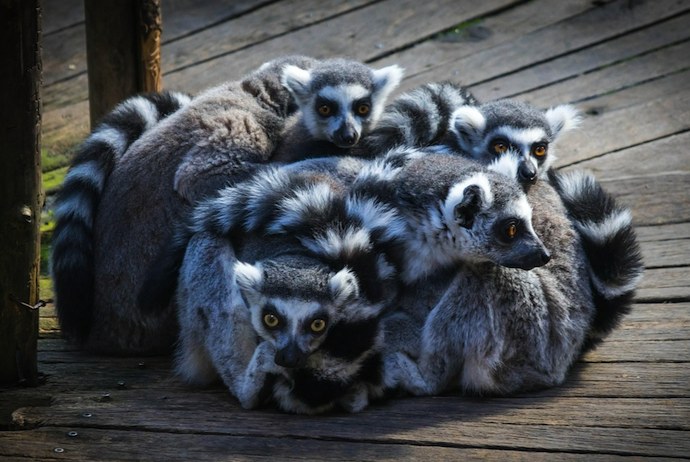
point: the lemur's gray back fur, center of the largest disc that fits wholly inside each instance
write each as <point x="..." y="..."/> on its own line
<point x="283" y="276"/>
<point x="220" y="136"/>
<point x="223" y="136"/>
<point x="497" y="330"/>
<point x="448" y="116"/>
<point x="76" y="205"/>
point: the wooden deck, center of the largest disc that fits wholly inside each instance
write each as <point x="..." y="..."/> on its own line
<point x="625" y="63"/>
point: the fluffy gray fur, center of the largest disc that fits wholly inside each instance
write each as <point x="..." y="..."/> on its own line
<point x="497" y="330"/>
<point x="221" y="137"/>
<point x="223" y="304"/>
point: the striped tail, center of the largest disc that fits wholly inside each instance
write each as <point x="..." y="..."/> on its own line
<point x="611" y="247"/>
<point x="76" y="204"/>
<point x="419" y="118"/>
<point x="341" y="224"/>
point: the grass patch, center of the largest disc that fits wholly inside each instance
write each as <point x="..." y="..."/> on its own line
<point x="53" y="179"/>
<point x="468" y="30"/>
<point x="53" y="160"/>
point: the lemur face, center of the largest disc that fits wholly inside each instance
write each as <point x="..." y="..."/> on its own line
<point x="341" y="100"/>
<point x="295" y="310"/>
<point x="495" y="129"/>
<point x="491" y="220"/>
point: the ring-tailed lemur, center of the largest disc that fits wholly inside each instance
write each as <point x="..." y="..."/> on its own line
<point x="610" y="243"/>
<point x="497" y="330"/>
<point x="318" y="326"/>
<point x="220" y="137"/>
<point x="470" y="213"/>
<point x="448" y="117"/>
<point x="78" y="198"/>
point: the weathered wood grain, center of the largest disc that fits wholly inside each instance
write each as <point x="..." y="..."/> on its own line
<point x="94" y="444"/>
<point x="348" y="34"/>
<point x="433" y="420"/>
<point x="667" y="154"/>
<point x="481" y="34"/>
<point x="663" y="232"/>
<point x="671" y="252"/>
<point x="604" y="131"/>
<point x="64" y="46"/>
<point x="254" y="28"/>
<point x="665" y="284"/>
<point x="585" y="29"/>
<point x="626" y="60"/>
<point x="61" y="14"/>
<point x="664" y="63"/>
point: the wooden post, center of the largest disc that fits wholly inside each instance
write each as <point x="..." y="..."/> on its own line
<point x="122" y="51"/>
<point x="20" y="188"/>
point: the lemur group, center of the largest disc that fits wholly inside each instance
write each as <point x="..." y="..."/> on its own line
<point x="317" y="245"/>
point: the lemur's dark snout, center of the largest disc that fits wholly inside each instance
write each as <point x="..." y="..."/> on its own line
<point x="290" y="356"/>
<point x="346" y="137"/>
<point x="527" y="173"/>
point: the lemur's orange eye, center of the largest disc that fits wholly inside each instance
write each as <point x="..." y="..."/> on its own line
<point x="317" y="326"/>
<point x="271" y="320"/>
<point x="511" y="230"/>
<point x="499" y="147"/>
<point x="539" y="150"/>
<point x="363" y="109"/>
<point x="324" y="110"/>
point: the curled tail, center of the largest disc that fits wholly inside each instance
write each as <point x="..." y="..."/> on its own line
<point x="78" y="199"/>
<point x="342" y="226"/>
<point x="610" y="245"/>
<point x="418" y="118"/>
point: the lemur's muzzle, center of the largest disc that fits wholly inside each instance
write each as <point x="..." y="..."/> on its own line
<point x="346" y="136"/>
<point x="527" y="172"/>
<point x="291" y="356"/>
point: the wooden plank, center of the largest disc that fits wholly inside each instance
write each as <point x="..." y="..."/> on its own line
<point x="659" y="312"/>
<point x="590" y="27"/>
<point x="670" y="252"/>
<point x="667" y="204"/>
<point x="345" y="35"/>
<point x="625" y="60"/>
<point x="664" y="284"/>
<point x="59" y="15"/>
<point x="183" y="22"/>
<point x="21" y="197"/>
<point x="640" y="351"/>
<point x="608" y="131"/>
<point x="639" y="379"/>
<point x="665" y="62"/>
<point x="95" y="444"/>
<point x="667" y="154"/>
<point x="123" y="51"/>
<point x="252" y="29"/>
<point x="629" y="426"/>
<point x="348" y="34"/>
<point x="481" y="34"/>
<point x="663" y="232"/>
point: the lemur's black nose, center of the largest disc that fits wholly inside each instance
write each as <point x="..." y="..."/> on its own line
<point x="527" y="173"/>
<point x="346" y="137"/>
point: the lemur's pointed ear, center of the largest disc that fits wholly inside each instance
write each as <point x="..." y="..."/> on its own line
<point x="296" y="80"/>
<point x="250" y="278"/>
<point x="562" y="118"/>
<point x="466" y="210"/>
<point x="468" y="124"/>
<point x="466" y="199"/>
<point x="387" y="79"/>
<point x="343" y="286"/>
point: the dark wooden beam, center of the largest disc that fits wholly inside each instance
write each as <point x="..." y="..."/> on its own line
<point x="20" y="188"/>
<point x="122" y="51"/>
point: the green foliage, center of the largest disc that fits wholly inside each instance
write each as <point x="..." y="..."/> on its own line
<point x="52" y="180"/>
